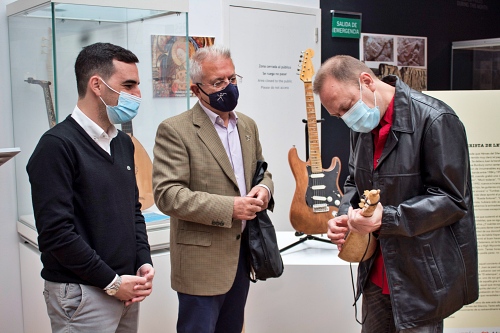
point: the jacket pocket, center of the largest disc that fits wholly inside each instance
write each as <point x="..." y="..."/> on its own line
<point x="433" y="267"/>
<point x="191" y="237"/>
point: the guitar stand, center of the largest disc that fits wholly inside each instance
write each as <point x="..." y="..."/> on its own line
<point x="298" y="233"/>
<point x="303" y="239"/>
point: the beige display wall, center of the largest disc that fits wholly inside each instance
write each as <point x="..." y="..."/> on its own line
<point x="479" y="111"/>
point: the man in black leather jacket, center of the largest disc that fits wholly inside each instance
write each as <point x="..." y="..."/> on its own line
<point x="414" y="149"/>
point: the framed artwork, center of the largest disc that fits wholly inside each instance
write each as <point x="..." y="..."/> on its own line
<point x="169" y="67"/>
<point x="401" y="51"/>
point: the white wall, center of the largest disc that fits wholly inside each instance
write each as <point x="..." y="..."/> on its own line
<point x="205" y="16"/>
<point x="10" y="280"/>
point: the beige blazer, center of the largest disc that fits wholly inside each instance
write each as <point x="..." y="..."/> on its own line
<point x="194" y="183"/>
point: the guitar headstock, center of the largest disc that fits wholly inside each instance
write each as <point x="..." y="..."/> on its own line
<point x="369" y="202"/>
<point x="307" y="69"/>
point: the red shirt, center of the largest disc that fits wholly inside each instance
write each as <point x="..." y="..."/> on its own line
<point x="380" y="134"/>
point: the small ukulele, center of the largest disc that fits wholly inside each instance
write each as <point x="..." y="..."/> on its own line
<point x="360" y="247"/>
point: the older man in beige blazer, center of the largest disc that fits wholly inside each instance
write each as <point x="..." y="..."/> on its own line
<point x="204" y="160"/>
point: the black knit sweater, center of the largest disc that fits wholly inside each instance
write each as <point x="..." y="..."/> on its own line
<point x="86" y="207"/>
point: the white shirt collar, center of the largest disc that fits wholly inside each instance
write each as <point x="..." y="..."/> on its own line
<point x="215" y="118"/>
<point x="92" y="129"/>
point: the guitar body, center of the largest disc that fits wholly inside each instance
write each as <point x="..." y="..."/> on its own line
<point x="316" y="199"/>
<point x="358" y="247"/>
<point x="143" y="174"/>
<point x="361" y="247"/>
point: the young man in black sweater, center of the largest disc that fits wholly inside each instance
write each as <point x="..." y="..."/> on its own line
<point x="91" y="233"/>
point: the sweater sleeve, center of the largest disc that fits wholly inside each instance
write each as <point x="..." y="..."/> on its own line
<point x="52" y="170"/>
<point x="142" y="243"/>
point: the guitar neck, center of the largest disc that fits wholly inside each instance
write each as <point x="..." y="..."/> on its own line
<point x="312" y="130"/>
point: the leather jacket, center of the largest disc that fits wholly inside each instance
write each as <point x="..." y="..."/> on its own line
<point x="428" y="234"/>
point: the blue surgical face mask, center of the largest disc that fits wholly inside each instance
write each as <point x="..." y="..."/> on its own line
<point x="125" y="110"/>
<point x="224" y="100"/>
<point x="361" y="118"/>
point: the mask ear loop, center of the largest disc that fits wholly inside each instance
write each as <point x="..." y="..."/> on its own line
<point x="360" y="90"/>
<point x="108" y="86"/>
<point x="198" y="85"/>
<point x="361" y="94"/>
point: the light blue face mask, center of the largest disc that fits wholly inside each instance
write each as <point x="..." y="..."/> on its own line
<point x="125" y="110"/>
<point x="360" y="118"/>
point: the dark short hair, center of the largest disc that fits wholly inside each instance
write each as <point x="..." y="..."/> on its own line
<point x="98" y="59"/>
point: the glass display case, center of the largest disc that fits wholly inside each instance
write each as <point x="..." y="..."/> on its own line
<point x="45" y="38"/>
<point x="475" y="64"/>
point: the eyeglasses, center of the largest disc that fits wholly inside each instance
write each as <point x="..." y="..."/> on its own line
<point x="219" y="84"/>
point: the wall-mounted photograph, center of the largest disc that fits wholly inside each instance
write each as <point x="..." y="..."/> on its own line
<point x="403" y="56"/>
<point x="409" y="51"/>
<point x="377" y="48"/>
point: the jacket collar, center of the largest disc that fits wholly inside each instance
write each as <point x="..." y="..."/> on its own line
<point x="403" y="120"/>
<point x="208" y="134"/>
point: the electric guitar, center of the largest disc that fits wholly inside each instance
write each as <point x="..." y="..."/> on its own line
<point x="143" y="169"/>
<point x="317" y="195"/>
<point x="360" y="247"/>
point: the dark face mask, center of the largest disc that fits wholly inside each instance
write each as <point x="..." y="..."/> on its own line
<point x="224" y="100"/>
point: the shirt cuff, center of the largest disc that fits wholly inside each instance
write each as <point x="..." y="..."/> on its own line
<point x="267" y="188"/>
<point x="114" y="280"/>
<point x="139" y="269"/>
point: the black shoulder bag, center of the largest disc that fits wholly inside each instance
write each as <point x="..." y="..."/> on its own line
<point x="265" y="257"/>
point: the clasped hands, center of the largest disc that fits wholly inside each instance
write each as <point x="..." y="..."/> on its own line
<point x="247" y="207"/>
<point x="353" y="222"/>
<point x="135" y="288"/>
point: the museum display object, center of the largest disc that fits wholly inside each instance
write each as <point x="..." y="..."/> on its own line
<point x="475" y="64"/>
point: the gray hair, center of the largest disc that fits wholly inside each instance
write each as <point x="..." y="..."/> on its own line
<point x="342" y="68"/>
<point x="203" y="53"/>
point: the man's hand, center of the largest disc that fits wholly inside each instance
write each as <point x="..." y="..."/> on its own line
<point x="337" y="228"/>
<point x="245" y="208"/>
<point x="136" y="288"/>
<point x="261" y="193"/>
<point x="362" y="224"/>
<point x="127" y="290"/>
<point x="148" y="272"/>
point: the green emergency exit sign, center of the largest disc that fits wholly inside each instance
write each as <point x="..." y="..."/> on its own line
<point x="346" y="27"/>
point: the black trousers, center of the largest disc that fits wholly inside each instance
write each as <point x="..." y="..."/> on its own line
<point x="220" y="313"/>
<point x="377" y="311"/>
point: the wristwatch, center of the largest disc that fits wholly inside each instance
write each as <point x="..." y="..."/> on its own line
<point x="111" y="290"/>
